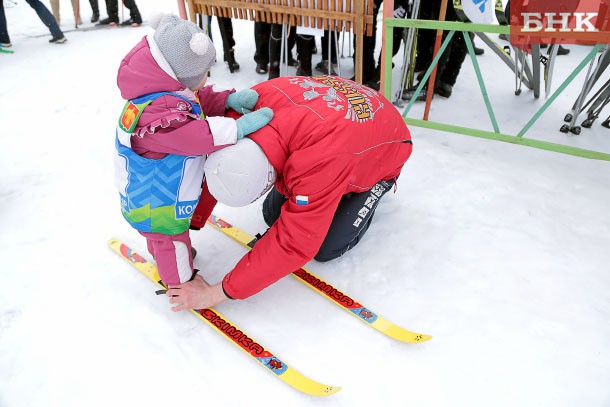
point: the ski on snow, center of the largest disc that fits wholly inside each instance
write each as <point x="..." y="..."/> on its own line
<point x="231" y="332"/>
<point x="329" y="292"/>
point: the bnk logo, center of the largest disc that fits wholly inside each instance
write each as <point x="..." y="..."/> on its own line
<point x="560" y="21"/>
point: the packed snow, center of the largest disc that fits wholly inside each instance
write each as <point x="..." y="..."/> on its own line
<point x="498" y="251"/>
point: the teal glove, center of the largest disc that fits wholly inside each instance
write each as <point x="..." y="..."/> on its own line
<point x="242" y="101"/>
<point x="251" y="122"/>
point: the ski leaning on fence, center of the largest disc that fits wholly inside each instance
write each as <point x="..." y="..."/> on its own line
<point x="231" y="332"/>
<point x="328" y="291"/>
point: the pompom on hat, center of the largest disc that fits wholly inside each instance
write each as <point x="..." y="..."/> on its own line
<point x="239" y="174"/>
<point x="186" y="48"/>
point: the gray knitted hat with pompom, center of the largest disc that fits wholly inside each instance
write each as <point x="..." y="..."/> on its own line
<point x="186" y="48"/>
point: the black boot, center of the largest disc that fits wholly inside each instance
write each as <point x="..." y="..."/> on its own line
<point x="303" y="71"/>
<point x="262" y="68"/>
<point x="230" y="60"/>
<point x="562" y="51"/>
<point x="274" y="73"/>
<point x="109" y="21"/>
<point x="443" y="89"/>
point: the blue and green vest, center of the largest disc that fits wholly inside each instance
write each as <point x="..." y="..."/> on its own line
<point x="157" y="196"/>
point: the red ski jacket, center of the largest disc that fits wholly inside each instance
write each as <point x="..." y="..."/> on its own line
<point x="329" y="136"/>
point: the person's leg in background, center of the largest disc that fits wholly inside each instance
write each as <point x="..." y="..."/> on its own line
<point x="76" y="12"/>
<point x="322" y="66"/>
<point x="95" y="9"/>
<point x="261" y="41"/>
<point x="275" y="45"/>
<point x="112" y="8"/>
<point x="456" y="54"/>
<point x="55" y="10"/>
<point x="305" y="45"/>
<point x="47" y="19"/>
<point x="292" y="40"/>
<point x="135" y="19"/>
<point x="228" y="42"/>
<point x="5" y="40"/>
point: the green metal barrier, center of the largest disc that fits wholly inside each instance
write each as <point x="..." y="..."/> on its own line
<point x="452" y="27"/>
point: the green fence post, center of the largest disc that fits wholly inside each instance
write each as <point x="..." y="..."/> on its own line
<point x="477" y="70"/>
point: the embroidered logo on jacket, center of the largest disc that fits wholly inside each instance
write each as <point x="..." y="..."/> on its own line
<point x="339" y="94"/>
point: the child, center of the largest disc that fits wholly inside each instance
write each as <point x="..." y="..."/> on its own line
<point x="168" y="125"/>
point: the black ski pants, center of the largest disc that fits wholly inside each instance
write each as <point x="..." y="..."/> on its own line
<point x="262" y="32"/>
<point x="112" y="8"/>
<point x="351" y="221"/>
<point x="304" y="43"/>
<point x="225" y="26"/>
<point x="450" y="63"/>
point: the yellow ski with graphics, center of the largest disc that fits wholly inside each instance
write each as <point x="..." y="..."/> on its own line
<point x="237" y="336"/>
<point x="328" y="291"/>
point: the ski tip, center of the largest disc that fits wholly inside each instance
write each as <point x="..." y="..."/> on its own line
<point x="398" y="333"/>
<point x="330" y="390"/>
<point x="410" y="337"/>
<point x="306" y="385"/>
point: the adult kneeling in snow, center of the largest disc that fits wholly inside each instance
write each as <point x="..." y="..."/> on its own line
<point x="331" y="151"/>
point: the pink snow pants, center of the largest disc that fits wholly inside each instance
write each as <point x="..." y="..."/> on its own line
<point x="173" y="256"/>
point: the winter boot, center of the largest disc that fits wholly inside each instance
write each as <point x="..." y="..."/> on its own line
<point x="443" y="89"/>
<point x="303" y="71"/>
<point x="291" y="61"/>
<point x="131" y="22"/>
<point x="230" y="60"/>
<point x="274" y="73"/>
<point x="262" y="68"/>
<point x="112" y="21"/>
<point x="59" y="40"/>
<point x="322" y="66"/>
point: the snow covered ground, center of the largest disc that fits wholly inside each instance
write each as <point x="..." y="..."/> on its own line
<point x="500" y="252"/>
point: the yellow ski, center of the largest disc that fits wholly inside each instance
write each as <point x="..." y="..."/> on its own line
<point x="237" y="336"/>
<point x="328" y="291"/>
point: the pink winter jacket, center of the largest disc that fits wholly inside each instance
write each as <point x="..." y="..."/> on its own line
<point x="167" y="124"/>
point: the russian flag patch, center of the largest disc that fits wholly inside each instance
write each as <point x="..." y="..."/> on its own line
<point x="302" y="199"/>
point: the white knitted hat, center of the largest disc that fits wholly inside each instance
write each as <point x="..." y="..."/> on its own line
<point x="186" y="48"/>
<point x="239" y="174"/>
